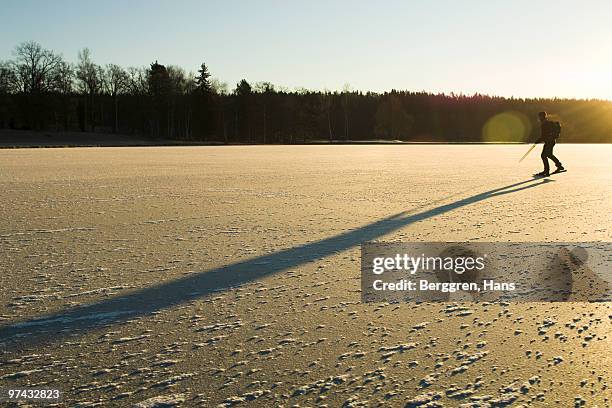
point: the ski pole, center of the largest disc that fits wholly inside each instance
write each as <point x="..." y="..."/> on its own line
<point x="528" y="151"/>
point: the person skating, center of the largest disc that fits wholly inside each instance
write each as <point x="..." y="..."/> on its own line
<point x="550" y="131"/>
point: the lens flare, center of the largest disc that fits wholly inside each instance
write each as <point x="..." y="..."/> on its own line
<point x="508" y="126"/>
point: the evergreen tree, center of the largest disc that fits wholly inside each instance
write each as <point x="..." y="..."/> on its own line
<point x="242" y="97"/>
<point x="204" y="119"/>
<point x="158" y="81"/>
<point x="203" y="84"/>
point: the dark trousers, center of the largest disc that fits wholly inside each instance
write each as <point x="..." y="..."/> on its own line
<point x="547" y="153"/>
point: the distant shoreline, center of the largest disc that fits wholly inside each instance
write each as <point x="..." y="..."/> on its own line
<point x="23" y="139"/>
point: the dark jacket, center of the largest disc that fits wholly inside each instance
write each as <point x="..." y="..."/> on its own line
<point x="548" y="132"/>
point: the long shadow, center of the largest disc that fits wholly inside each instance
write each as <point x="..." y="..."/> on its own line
<point x="54" y="326"/>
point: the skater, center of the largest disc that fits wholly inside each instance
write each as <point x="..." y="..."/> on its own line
<point x="550" y="132"/>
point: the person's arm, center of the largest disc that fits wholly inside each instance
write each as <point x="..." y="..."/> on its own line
<point x="542" y="134"/>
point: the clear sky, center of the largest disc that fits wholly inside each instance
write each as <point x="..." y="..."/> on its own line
<point x="511" y="48"/>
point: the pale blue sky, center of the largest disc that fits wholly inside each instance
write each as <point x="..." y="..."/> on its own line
<point x="519" y="47"/>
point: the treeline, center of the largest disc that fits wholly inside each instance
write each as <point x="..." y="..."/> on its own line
<point x="39" y="90"/>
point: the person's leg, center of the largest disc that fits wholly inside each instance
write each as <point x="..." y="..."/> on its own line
<point x="544" y="156"/>
<point x="554" y="159"/>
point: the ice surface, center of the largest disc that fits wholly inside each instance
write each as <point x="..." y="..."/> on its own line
<point x="220" y="276"/>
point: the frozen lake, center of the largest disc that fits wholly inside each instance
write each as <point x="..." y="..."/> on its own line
<point x="221" y="275"/>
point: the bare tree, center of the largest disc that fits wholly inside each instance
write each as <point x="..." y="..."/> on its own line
<point x="326" y="104"/>
<point x="116" y="83"/>
<point x="138" y="89"/>
<point x="266" y="89"/>
<point x="137" y="80"/>
<point x="346" y="99"/>
<point x="88" y="73"/>
<point x="220" y="90"/>
<point x="64" y="81"/>
<point x="90" y="83"/>
<point x="178" y="87"/>
<point x="178" y="79"/>
<point x="219" y="87"/>
<point x="8" y="81"/>
<point x="35" y="67"/>
<point x="190" y="88"/>
<point x="64" y="78"/>
<point x="8" y="78"/>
